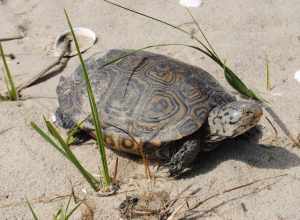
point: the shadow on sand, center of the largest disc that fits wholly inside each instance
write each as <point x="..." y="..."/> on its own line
<point x="246" y="150"/>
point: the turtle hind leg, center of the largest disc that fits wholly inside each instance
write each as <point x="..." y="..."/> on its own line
<point x="184" y="157"/>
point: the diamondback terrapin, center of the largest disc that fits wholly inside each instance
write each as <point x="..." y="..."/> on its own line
<point x="155" y="104"/>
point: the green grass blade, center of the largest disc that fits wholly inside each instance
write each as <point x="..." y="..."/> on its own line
<point x="68" y="204"/>
<point x="160" y="21"/>
<point x="69" y="154"/>
<point x="47" y="138"/>
<point x="230" y="76"/>
<point x="268" y="80"/>
<point x="6" y="82"/>
<point x="34" y="215"/>
<point x="12" y="91"/>
<point x="60" y="215"/>
<point x="73" y="210"/>
<point x="238" y="84"/>
<point x="95" y="113"/>
<point x="63" y="148"/>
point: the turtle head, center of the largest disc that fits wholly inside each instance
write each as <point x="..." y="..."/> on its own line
<point x="65" y="100"/>
<point x="233" y="119"/>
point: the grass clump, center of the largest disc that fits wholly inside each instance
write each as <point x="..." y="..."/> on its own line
<point x="61" y="214"/>
<point x="57" y="141"/>
<point x="62" y="145"/>
<point x="12" y="93"/>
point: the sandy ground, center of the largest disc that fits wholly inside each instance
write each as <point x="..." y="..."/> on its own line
<point x="243" y="31"/>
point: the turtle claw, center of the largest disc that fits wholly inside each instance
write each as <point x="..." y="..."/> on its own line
<point x="169" y="170"/>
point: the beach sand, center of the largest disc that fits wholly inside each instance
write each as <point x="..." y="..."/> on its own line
<point x="244" y="32"/>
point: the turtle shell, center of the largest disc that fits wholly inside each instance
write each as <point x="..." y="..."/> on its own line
<point x="146" y="96"/>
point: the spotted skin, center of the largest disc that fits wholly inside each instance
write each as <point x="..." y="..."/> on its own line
<point x="147" y="99"/>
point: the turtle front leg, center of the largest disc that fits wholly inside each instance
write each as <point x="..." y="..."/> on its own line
<point x="184" y="157"/>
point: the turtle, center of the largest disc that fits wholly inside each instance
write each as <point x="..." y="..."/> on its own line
<point x="154" y="105"/>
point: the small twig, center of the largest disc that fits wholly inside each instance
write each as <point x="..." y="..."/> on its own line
<point x="12" y="38"/>
<point x="235" y="188"/>
<point x="172" y="216"/>
<point x="202" y="33"/>
<point x="172" y="202"/>
<point x="5" y="130"/>
<point x="274" y="128"/>
<point x="166" y="210"/>
<point x="10" y="56"/>
<point x="114" y="177"/>
<point x="244" y="207"/>
<point x="257" y="190"/>
<point x="41" y="199"/>
<point x="253" y="182"/>
<point x="44" y="74"/>
<point x="282" y="125"/>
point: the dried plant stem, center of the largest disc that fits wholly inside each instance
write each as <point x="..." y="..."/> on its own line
<point x="44" y="74"/>
<point x="202" y="33"/>
<point x="234" y="188"/>
<point x="212" y="209"/>
<point x="282" y="126"/>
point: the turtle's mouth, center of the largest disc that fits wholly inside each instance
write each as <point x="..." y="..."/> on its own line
<point x="248" y="121"/>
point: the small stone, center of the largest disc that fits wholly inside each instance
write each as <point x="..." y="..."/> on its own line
<point x="297" y="76"/>
<point x="190" y="3"/>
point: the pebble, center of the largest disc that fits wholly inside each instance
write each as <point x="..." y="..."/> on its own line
<point x="190" y="3"/>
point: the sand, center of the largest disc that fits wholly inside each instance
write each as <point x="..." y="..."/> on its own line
<point x="243" y="32"/>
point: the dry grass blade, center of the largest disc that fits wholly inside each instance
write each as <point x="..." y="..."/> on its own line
<point x="282" y="126"/>
<point x="268" y="80"/>
<point x="215" y="207"/>
<point x="49" y="71"/>
<point x="31" y="210"/>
